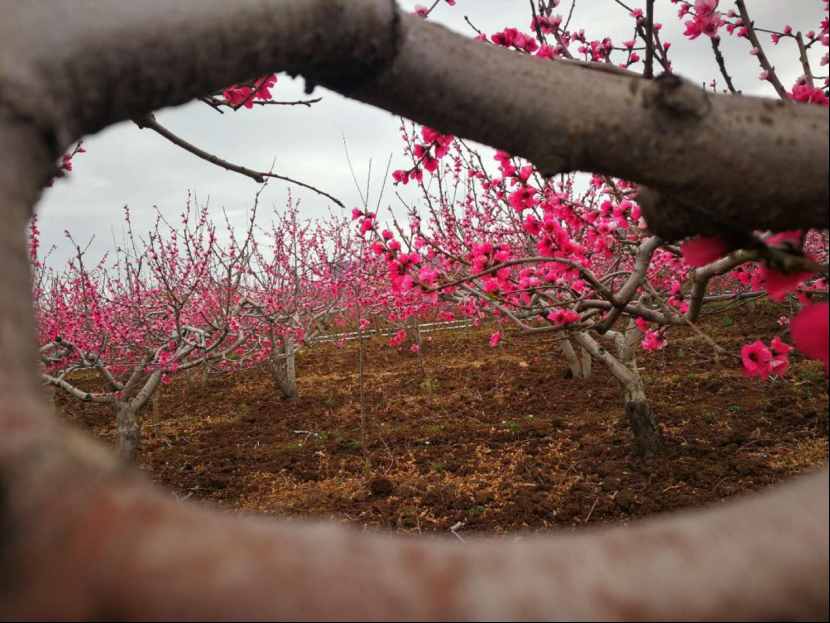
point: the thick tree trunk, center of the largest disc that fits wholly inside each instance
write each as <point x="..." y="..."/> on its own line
<point x="128" y="422"/>
<point x="638" y="413"/>
<point x="585" y="359"/>
<point x="578" y="363"/>
<point x="129" y="416"/>
<point x="284" y="370"/>
<point x="641" y="419"/>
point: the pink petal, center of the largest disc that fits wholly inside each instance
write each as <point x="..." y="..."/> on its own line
<point x="809" y="332"/>
<point x="703" y="250"/>
<point x="792" y="237"/>
<point x="781" y="284"/>
<point x="780" y="347"/>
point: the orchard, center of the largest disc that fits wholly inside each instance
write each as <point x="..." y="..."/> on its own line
<point x="572" y="340"/>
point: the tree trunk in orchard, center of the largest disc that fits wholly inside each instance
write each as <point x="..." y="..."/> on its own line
<point x="637" y="408"/>
<point x="284" y="369"/>
<point x="585" y="359"/>
<point x="415" y="334"/>
<point x="156" y="414"/>
<point x="129" y="416"/>
<point x="128" y="423"/>
<point x="641" y="419"/>
<point x="638" y="413"/>
<point x="579" y="364"/>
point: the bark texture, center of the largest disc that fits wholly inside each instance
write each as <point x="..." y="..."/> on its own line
<point x="623" y="367"/>
<point x="284" y="370"/>
<point x="128" y="424"/>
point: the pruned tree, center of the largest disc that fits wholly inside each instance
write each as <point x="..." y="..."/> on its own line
<point x="163" y="304"/>
<point x="82" y="537"/>
<point x="296" y="283"/>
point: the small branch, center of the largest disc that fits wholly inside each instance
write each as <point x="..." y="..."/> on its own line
<point x="218" y="104"/>
<point x="746" y="22"/>
<point x="594" y="505"/>
<point x="471" y="25"/>
<point x="149" y="121"/>
<point x="805" y="61"/>
<point x="649" y="39"/>
<point x="722" y="64"/>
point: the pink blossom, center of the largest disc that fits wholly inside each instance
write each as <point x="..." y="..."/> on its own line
<point x="779" y="284"/>
<point x="703" y="250"/>
<point x="563" y="316"/>
<point x="398" y="339"/>
<point x="495" y="338"/>
<point x="780" y="363"/>
<point x="400" y="176"/>
<point x="706" y="20"/>
<point x="804" y="92"/>
<point x="756" y="358"/>
<point x="546" y="51"/>
<point x="780" y="347"/>
<point x="263" y="91"/>
<point x="809" y="330"/>
<point x="653" y="340"/>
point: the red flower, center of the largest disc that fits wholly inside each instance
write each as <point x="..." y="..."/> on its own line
<point x="809" y="332"/>
<point x="703" y="250"/>
<point x="756" y="359"/>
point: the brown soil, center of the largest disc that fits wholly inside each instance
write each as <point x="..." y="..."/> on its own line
<point x="497" y="439"/>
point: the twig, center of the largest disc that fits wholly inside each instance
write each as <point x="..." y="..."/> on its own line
<point x="649" y="39"/>
<point x="805" y="62"/>
<point x="149" y="121"/>
<point x="454" y="528"/>
<point x="746" y="22"/>
<point x="591" y="512"/>
<point x="722" y="64"/>
<point x="217" y="104"/>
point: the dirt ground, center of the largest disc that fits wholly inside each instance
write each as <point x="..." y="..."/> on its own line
<point x="490" y="440"/>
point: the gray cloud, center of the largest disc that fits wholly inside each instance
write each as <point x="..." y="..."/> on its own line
<point x="125" y="165"/>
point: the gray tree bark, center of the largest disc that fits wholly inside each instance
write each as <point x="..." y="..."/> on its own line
<point x="637" y="410"/>
<point x="579" y="364"/>
<point x="284" y="369"/>
<point x="129" y="417"/>
<point x="128" y="424"/>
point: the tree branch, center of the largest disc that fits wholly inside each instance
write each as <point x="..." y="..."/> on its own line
<point x="149" y="121"/>
<point x="772" y="76"/>
<point x="560" y="116"/>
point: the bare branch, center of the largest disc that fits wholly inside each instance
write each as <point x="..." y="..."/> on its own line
<point x="149" y="121"/>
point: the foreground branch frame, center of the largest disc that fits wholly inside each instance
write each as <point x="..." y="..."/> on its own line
<point x="83" y="536"/>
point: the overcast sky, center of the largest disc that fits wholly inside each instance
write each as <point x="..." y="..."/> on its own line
<point x="125" y="165"/>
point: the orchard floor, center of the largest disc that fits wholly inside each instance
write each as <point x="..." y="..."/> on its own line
<point x="491" y="440"/>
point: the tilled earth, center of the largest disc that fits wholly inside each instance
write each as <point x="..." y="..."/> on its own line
<point x="481" y="439"/>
